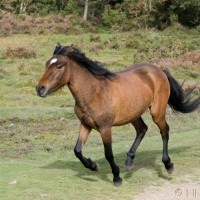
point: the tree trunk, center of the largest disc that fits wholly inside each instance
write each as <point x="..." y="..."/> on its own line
<point x="85" y="10"/>
<point x="150" y="5"/>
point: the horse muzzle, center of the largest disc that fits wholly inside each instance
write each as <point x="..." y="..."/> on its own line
<point x="42" y="91"/>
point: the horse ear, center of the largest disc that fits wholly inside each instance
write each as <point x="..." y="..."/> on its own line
<point x="57" y="48"/>
<point x="58" y="45"/>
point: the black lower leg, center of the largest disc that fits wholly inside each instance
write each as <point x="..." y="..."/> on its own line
<point x="115" y="169"/>
<point x="131" y="153"/>
<point x="141" y="129"/>
<point x="87" y="162"/>
<point x="168" y="164"/>
<point x="166" y="159"/>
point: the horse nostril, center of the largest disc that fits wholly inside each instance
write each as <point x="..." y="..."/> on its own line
<point x="40" y="89"/>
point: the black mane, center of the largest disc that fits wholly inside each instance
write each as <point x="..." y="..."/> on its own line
<point x="95" y="67"/>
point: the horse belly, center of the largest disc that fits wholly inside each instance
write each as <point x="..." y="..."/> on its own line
<point x="126" y="116"/>
<point x="131" y="104"/>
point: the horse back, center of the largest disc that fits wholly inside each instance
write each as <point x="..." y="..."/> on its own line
<point x="144" y="74"/>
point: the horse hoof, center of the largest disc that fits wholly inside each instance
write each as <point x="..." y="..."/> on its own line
<point x="97" y="168"/>
<point x="117" y="182"/>
<point x="129" y="167"/>
<point x="171" y="168"/>
<point x="94" y="167"/>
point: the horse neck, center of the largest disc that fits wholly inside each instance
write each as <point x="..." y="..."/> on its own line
<point x="82" y="84"/>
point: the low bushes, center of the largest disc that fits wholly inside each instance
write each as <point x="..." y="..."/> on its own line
<point x="19" y="52"/>
<point x="151" y="44"/>
<point x="187" y="60"/>
<point x="51" y="24"/>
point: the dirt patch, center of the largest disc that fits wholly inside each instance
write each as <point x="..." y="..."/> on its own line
<point x="172" y="191"/>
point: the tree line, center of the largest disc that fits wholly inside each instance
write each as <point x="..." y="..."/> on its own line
<point x="121" y="14"/>
<point x="44" y="7"/>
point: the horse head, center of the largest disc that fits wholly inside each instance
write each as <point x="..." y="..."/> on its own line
<point x="57" y="72"/>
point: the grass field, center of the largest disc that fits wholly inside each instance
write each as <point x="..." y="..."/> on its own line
<point x="59" y="175"/>
<point x="38" y="135"/>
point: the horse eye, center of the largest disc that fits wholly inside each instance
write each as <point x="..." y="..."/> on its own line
<point x="60" y="66"/>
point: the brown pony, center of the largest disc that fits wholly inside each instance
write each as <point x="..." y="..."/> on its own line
<point x="104" y="99"/>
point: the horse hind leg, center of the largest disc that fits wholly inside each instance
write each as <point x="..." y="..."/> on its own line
<point x="141" y="129"/>
<point x="158" y="115"/>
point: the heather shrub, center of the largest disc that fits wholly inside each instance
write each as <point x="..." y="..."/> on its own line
<point x="95" y="38"/>
<point x="19" y="52"/>
<point x="150" y="43"/>
<point x="7" y="24"/>
<point x="50" y="24"/>
<point x="191" y="59"/>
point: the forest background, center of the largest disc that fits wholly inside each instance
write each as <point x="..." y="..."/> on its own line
<point x="64" y="16"/>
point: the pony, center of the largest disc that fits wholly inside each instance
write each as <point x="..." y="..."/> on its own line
<point x="104" y="99"/>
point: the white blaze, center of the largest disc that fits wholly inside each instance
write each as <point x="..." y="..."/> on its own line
<point x="54" y="60"/>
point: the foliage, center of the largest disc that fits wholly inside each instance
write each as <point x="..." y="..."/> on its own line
<point x="113" y="17"/>
<point x="26" y="24"/>
<point x="45" y="7"/>
<point x="115" y="14"/>
<point x="127" y="15"/>
<point x="42" y="7"/>
<point x="142" y="14"/>
<point x="186" y="12"/>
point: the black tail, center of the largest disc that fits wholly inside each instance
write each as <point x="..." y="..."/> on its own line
<point x="179" y="99"/>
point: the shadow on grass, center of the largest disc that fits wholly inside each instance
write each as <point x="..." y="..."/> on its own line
<point x="144" y="159"/>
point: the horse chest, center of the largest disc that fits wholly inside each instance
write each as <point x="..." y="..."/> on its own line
<point x="85" y="116"/>
<point x="94" y="118"/>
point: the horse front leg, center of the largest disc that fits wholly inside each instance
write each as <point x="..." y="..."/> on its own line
<point x="107" y="141"/>
<point x="83" y="135"/>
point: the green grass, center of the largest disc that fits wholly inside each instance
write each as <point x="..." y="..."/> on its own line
<point x="28" y="114"/>
<point x="59" y="175"/>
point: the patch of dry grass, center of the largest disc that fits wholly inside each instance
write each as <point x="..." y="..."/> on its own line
<point x="188" y="60"/>
<point x="19" y="52"/>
